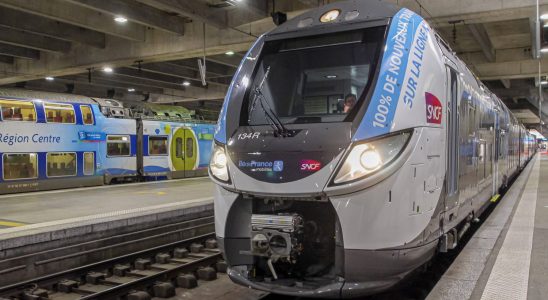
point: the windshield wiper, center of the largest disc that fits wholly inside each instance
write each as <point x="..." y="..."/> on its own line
<point x="271" y="116"/>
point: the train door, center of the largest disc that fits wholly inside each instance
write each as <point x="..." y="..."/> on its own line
<point x="184" y="152"/>
<point x="452" y="170"/>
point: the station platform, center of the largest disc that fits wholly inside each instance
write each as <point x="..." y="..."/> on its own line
<point x="60" y="205"/>
<point x="507" y="257"/>
<point x="41" y="220"/>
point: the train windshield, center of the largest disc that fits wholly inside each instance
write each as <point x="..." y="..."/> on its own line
<point x="318" y="79"/>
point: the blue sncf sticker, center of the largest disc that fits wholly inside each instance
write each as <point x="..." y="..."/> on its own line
<point x="384" y="101"/>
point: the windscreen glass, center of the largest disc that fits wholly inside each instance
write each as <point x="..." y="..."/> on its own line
<point x="314" y="79"/>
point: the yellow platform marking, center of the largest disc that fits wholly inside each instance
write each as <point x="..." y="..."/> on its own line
<point x="495" y="198"/>
<point x="11" y="224"/>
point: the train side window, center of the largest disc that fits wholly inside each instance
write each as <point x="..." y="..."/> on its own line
<point x="157" y="145"/>
<point x="179" y="147"/>
<point x="61" y="164"/>
<point x="118" y="145"/>
<point x="89" y="163"/>
<point x="59" y="113"/>
<point x="20" y="166"/>
<point x="17" y="110"/>
<point x="87" y="115"/>
<point x="189" y="147"/>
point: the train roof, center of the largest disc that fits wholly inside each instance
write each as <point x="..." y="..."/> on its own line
<point x="350" y="13"/>
<point x="47" y="96"/>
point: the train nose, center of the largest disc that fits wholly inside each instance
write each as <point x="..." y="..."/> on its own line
<point x="262" y="162"/>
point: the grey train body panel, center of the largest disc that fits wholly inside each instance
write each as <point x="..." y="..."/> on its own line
<point x="451" y="144"/>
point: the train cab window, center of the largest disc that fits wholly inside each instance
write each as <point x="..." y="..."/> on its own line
<point x="89" y="163"/>
<point x="20" y="166"/>
<point x="118" y="145"/>
<point x="61" y="164"/>
<point x="189" y="147"/>
<point x="306" y="80"/>
<point x="17" y="110"/>
<point x="157" y="145"/>
<point x="59" y="113"/>
<point x="87" y="115"/>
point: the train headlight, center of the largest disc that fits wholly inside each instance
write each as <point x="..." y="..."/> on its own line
<point x="370" y="159"/>
<point x="218" y="163"/>
<point x="367" y="158"/>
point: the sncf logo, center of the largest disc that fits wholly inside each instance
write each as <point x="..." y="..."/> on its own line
<point x="310" y="165"/>
<point x="433" y="109"/>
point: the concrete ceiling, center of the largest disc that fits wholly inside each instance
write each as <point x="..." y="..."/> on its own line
<point x="157" y="49"/>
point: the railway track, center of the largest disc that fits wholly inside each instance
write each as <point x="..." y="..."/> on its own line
<point x="139" y="275"/>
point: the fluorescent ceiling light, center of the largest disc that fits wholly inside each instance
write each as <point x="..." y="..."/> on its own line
<point x="131" y="90"/>
<point x="107" y="70"/>
<point x="49" y="78"/>
<point x="229" y="53"/>
<point x="186" y="83"/>
<point x="120" y="19"/>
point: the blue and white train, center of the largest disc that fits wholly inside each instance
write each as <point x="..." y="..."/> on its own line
<point x="352" y="146"/>
<point x="51" y="141"/>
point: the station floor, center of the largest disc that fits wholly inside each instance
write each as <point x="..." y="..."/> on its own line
<point x="18" y="210"/>
<point x="507" y="257"/>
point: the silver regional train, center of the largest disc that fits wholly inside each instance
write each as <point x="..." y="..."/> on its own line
<point x="352" y="146"/>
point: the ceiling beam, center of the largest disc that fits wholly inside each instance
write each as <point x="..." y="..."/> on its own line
<point x="486" y="14"/>
<point x="510" y="70"/>
<point x="156" y="77"/>
<point x="138" y="13"/>
<point x="175" y="71"/>
<point x="196" y="10"/>
<point x="83" y="79"/>
<point x="33" y="41"/>
<point x="20" y="52"/>
<point x="482" y="37"/>
<point x="80" y="16"/>
<point x="19" y="20"/>
<point x="213" y="69"/>
<point x="119" y="77"/>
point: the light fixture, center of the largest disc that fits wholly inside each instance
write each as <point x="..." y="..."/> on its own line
<point x="330" y="16"/>
<point x="107" y="70"/>
<point x="544" y="17"/>
<point x="131" y="90"/>
<point x="49" y="78"/>
<point x="544" y="82"/>
<point x="229" y="53"/>
<point x="120" y="19"/>
<point x="330" y="76"/>
<point x="544" y="50"/>
<point x="186" y="83"/>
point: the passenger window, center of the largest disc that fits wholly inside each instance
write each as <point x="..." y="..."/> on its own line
<point x="179" y="147"/>
<point x="157" y="145"/>
<point x="189" y="147"/>
<point x="20" y="166"/>
<point x="61" y="164"/>
<point x="89" y="163"/>
<point x="59" y="113"/>
<point x="87" y="116"/>
<point x="17" y="110"/>
<point x="118" y="145"/>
